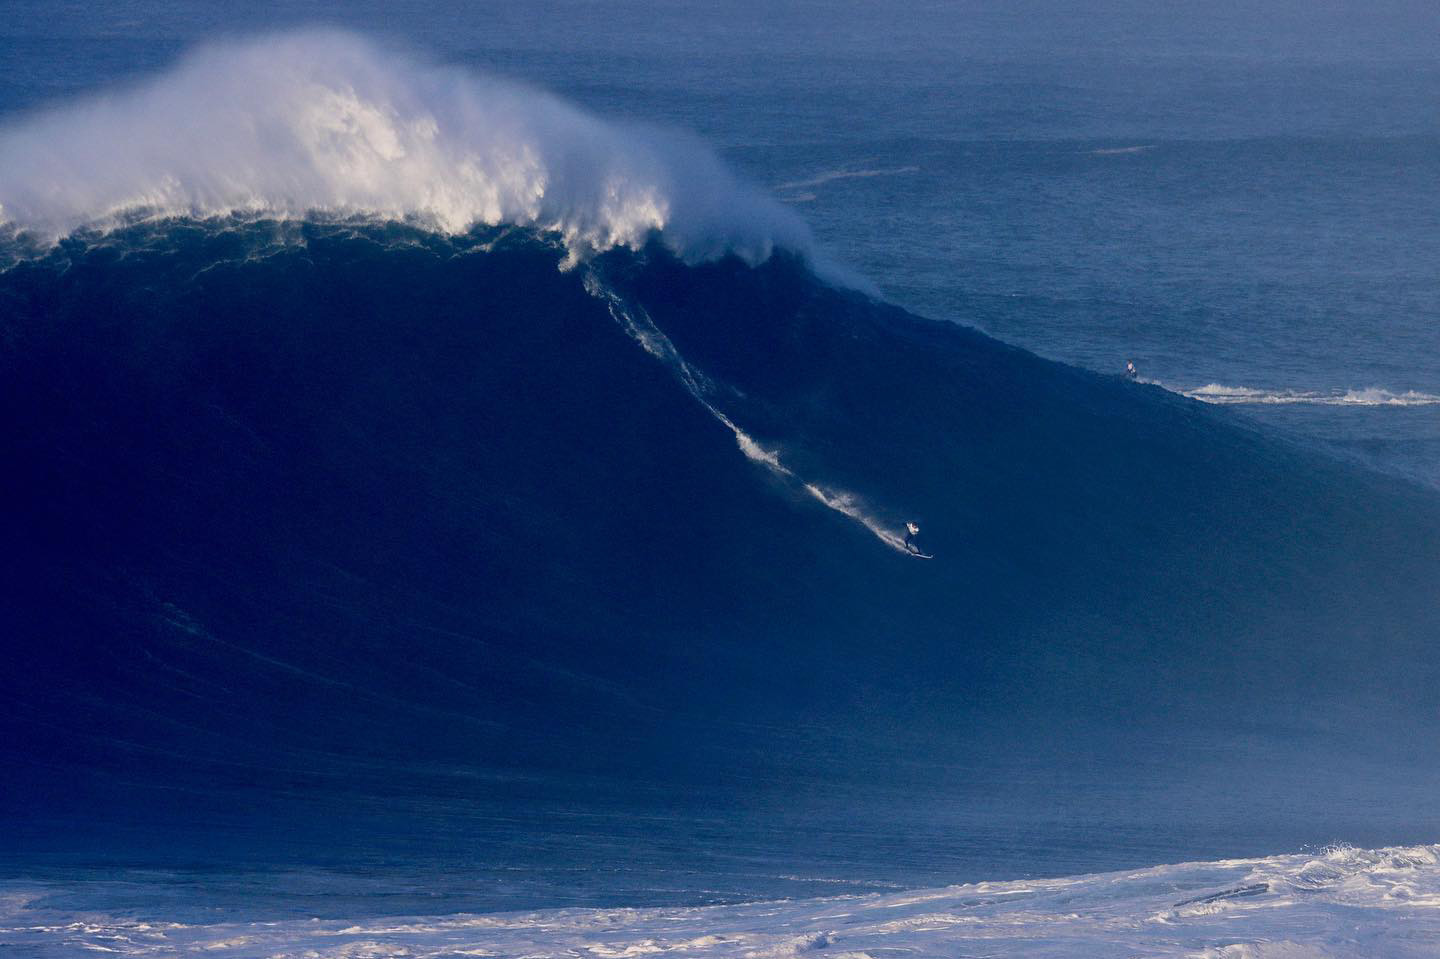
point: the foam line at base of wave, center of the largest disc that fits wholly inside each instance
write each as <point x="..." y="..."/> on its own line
<point x="1338" y="903"/>
<point x="1223" y="395"/>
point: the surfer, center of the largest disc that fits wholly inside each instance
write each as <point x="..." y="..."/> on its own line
<point x="1130" y="372"/>
<point x="911" y="531"/>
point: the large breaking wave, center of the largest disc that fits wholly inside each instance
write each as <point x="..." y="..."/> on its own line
<point x="339" y="517"/>
<point x="325" y="122"/>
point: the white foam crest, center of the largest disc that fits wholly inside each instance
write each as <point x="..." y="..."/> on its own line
<point x="1350" y="874"/>
<point x="325" y="122"/>
<point x="653" y="340"/>
<point x="1223" y="395"/>
<point x="1342" y="903"/>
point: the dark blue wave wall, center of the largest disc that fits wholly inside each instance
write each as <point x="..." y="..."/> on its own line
<point x="366" y="518"/>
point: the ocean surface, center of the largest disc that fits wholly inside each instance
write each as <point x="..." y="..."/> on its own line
<point x="1241" y="202"/>
<point x="458" y="462"/>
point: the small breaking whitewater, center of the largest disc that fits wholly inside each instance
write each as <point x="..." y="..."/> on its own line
<point x="642" y="329"/>
<point x="1342" y="903"/>
<point x="1222" y="395"/>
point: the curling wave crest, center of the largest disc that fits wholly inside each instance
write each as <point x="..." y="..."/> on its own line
<point x="327" y="123"/>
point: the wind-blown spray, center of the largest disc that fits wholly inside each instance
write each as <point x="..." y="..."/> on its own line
<point x="327" y="123"/>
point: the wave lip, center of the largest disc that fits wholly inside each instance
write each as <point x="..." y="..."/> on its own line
<point x="1339" y="903"/>
<point x="325" y="122"/>
<point x="1222" y="395"/>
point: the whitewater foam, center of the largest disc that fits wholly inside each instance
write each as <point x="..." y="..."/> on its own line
<point x="1220" y="394"/>
<point x="1340" y="903"/>
<point x="327" y="123"/>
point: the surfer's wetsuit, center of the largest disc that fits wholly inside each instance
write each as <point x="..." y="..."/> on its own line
<point x="910" y="541"/>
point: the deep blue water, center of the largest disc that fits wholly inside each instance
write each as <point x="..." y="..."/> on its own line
<point x="369" y="564"/>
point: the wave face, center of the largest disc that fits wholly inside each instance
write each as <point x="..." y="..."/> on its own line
<point x="327" y="123"/>
<point x="1342" y="903"/>
<point x="333" y="530"/>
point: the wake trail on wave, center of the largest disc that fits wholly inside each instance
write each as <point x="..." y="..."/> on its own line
<point x="642" y="329"/>
<point x="324" y="123"/>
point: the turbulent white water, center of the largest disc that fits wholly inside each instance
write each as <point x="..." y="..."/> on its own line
<point x="324" y="122"/>
<point x="1340" y="904"/>
<point x="1243" y="395"/>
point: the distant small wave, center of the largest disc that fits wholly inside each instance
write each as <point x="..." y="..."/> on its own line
<point x="1120" y="151"/>
<point x="834" y="175"/>
<point x="1222" y="395"/>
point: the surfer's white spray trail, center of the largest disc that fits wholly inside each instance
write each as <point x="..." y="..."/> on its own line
<point x="641" y="328"/>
